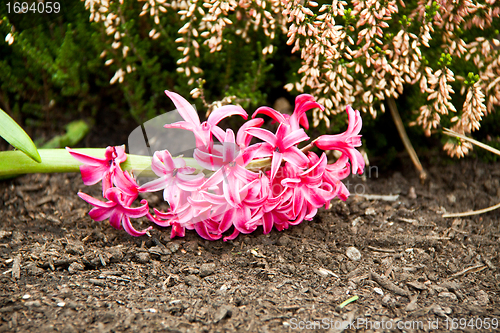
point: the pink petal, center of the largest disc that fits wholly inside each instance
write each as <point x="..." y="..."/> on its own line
<point x="131" y="230"/>
<point x="355" y="121"/>
<point x="294" y="138"/>
<point x="295" y="156"/>
<point x="158" y="221"/>
<point x="185" y="109"/>
<point x="243" y="174"/>
<point x="263" y="134"/>
<point x="181" y="125"/>
<point x="202" y="230"/>
<point x="249" y="154"/>
<point x="231" y="191"/>
<point x="242" y="137"/>
<point x="208" y="161"/>
<point x="218" y="133"/>
<point x="115" y="219"/>
<point x="137" y="211"/>
<point x="215" y="179"/>
<point x="231" y="150"/>
<point x="190" y="182"/>
<point x="100" y="214"/>
<point x="267" y="222"/>
<point x="177" y="230"/>
<point x="95" y="202"/>
<point x="125" y="182"/>
<point x="91" y="174"/>
<point x="87" y="159"/>
<point x="275" y="163"/>
<point x="155" y="185"/>
<point x="271" y="113"/>
<point x="162" y="163"/>
<point x="232" y="236"/>
<point x="226" y="111"/>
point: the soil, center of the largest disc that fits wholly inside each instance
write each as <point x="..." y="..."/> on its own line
<point x="411" y="269"/>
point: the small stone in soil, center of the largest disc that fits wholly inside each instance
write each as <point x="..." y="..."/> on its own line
<point x="411" y="193"/>
<point x="446" y="294"/>
<point x="222" y="312"/>
<point x="173" y="246"/>
<point x="353" y="253"/>
<point x="74" y="267"/>
<point x="284" y="240"/>
<point x="34" y="270"/>
<point x="207" y="269"/>
<point x="143" y="257"/>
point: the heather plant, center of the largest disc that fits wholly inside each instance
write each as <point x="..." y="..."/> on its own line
<point x="364" y="52"/>
<point x="441" y="57"/>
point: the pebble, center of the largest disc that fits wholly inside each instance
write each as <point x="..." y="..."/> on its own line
<point x="378" y="291"/>
<point x="451" y="198"/>
<point x="412" y="306"/>
<point x="173" y="246"/>
<point x="192" y="280"/>
<point x="143" y="257"/>
<point x="439" y="311"/>
<point x="116" y="254"/>
<point x="4" y="234"/>
<point x="222" y="312"/>
<point x="370" y="211"/>
<point x="284" y="240"/>
<point x="34" y="270"/>
<point x="75" y="267"/>
<point x="353" y="253"/>
<point x="207" y="269"/>
<point x="75" y="248"/>
<point x="447" y="294"/>
<point x="411" y="193"/>
<point x="482" y="298"/>
<point x="35" y="304"/>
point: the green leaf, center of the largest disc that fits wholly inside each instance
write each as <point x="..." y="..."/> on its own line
<point x="76" y="131"/>
<point x="17" y="137"/>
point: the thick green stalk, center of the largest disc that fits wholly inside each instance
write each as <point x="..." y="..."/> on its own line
<point x="15" y="163"/>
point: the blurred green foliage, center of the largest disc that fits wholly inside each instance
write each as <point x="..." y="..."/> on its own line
<point x="54" y="72"/>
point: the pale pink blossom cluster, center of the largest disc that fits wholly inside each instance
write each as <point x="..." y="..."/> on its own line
<point x="362" y="51"/>
<point x="235" y="184"/>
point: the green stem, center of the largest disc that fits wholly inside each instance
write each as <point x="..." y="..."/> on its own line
<point x="15" y="163"/>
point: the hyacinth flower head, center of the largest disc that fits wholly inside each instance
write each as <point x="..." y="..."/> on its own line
<point x="232" y="186"/>
<point x="346" y="142"/>
<point x="96" y="169"/>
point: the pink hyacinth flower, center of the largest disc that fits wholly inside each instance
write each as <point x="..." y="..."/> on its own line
<point x="176" y="179"/>
<point x="308" y="194"/>
<point x="303" y="103"/>
<point x="202" y="131"/>
<point x="96" y="169"/>
<point x="347" y="141"/>
<point x="229" y="166"/>
<point x="117" y="209"/>
<point x="281" y="146"/>
<point x="334" y="173"/>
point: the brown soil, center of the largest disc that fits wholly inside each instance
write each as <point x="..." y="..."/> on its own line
<point x="61" y="271"/>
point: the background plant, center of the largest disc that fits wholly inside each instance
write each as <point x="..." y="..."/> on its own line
<point x="438" y="59"/>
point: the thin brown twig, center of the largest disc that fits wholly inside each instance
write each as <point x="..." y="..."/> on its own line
<point x="404" y="137"/>
<point x="449" y="132"/>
